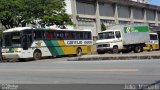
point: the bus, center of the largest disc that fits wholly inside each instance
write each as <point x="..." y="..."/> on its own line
<point x="153" y="43"/>
<point x="29" y="42"/>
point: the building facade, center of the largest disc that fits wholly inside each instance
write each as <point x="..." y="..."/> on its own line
<point x="90" y="14"/>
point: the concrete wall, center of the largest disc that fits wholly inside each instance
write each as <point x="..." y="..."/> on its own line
<point x="106" y="9"/>
<point x="68" y="7"/>
<point x="138" y="13"/>
<point x="92" y="13"/>
<point x="85" y="8"/>
<point x="150" y="15"/>
<point x="158" y="16"/>
<point x="123" y="11"/>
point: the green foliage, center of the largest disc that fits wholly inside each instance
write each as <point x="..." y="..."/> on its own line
<point x="1" y="32"/>
<point x="103" y="27"/>
<point x="21" y="12"/>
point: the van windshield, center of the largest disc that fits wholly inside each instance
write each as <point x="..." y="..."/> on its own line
<point x="106" y="35"/>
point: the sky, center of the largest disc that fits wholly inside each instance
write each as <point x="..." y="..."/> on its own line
<point x="154" y="2"/>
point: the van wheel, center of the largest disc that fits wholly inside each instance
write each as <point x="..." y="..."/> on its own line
<point x="79" y="52"/>
<point x="37" y="55"/>
<point x="115" y="49"/>
<point x="137" y="49"/>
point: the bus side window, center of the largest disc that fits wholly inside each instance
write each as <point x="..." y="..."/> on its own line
<point x="87" y="35"/>
<point x="38" y="35"/>
<point x="73" y="35"/>
<point x="81" y="35"/>
<point x="66" y="35"/>
<point x="77" y="35"/>
<point x="69" y="35"/>
<point x="62" y="35"/>
<point x="49" y="35"/>
<point x="58" y="35"/>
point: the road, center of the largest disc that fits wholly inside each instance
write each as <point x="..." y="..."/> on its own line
<point x="80" y="72"/>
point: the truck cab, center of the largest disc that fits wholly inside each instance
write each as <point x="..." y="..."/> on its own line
<point x="109" y="41"/>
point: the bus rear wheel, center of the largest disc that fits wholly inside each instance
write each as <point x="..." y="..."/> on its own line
<point x="79" y="52"/>
<point x="37" y="55"/>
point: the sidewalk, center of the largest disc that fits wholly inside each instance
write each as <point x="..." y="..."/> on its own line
<point x="125" y="56"/>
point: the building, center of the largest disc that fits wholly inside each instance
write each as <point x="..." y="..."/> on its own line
<point x="91" y="14"/>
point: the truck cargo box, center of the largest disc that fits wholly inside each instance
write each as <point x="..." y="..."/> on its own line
<point x="133" y="33"/>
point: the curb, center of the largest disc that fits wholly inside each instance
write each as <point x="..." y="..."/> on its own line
<point x="114" y="57"/>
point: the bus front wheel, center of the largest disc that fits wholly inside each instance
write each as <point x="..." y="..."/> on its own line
<point x="37" y="55"/>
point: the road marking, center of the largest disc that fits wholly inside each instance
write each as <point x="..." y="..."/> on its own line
<point x="69" y="70"/>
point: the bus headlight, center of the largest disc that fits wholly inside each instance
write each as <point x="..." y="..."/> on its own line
<point x="5" y="50"/>
<point x="17" y="50"/>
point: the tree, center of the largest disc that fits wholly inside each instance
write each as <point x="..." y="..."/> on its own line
<point x="1" y="33"/>
<point x="21" y="12"/>
<point x="103" y="27"/>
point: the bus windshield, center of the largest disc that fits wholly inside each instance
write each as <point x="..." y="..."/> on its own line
<point x="153" y="37"/>
<point x="12" y="39"/>
<point x="106" y="35"/>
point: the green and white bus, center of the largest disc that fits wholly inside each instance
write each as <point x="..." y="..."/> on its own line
<point x="28" y="42"/>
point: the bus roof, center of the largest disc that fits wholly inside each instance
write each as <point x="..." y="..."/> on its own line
<point x="24" y="28"/>
<point x="17" y="29"/>
<point x="154" y="33"/>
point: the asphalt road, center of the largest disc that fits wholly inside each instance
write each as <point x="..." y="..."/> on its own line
<point x="80" y="72"/>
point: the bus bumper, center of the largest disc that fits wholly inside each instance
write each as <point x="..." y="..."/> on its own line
<point x="10" y="55"/>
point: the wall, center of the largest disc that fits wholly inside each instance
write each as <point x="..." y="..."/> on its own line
<point x="104" y="11"/>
